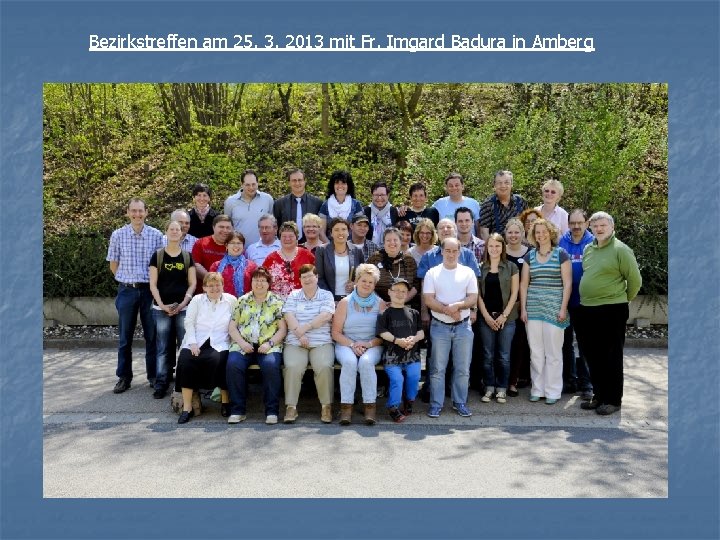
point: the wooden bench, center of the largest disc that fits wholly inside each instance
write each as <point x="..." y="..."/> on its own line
<point x="378" y="367"/>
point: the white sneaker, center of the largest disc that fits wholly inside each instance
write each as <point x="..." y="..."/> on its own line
<point x="236" y="418"/>
<point x="487" y="396"/>
<point x="271" y="419"/>
<point x="501" y="397"/>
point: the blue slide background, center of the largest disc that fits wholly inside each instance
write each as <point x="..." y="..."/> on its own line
<point x="640" y="41"/>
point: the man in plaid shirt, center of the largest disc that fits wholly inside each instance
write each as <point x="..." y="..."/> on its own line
<point x="131" y="247"/>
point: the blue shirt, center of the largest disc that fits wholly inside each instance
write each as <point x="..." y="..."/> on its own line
<point x="575" y="251"/>
<point x="434" y="257"/>
<point x="132" y="252"/>
<point x="446" y="207"/>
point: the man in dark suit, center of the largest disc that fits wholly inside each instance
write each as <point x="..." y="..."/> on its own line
<point x="297" y="203"/>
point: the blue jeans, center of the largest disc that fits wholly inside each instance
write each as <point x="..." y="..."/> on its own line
<point x="496" y="348"/>
<point x="165" y="339"/>
<point x="236" y="374"/>
<point x="459" y="340"/>
<point x="129" y="302"/>
<point x="410" y="382"/>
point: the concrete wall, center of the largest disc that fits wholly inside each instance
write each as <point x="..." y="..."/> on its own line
<point x="101" y="311"/>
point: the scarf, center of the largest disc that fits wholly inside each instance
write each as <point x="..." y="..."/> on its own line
<point x="364" y="303"/>
<point x="200" y="214"/>
<point x="336" y="209"/>
<point x="380" y="219"/>
<point x="238" y="264"/>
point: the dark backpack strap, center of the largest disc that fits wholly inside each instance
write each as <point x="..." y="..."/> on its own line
<point x="160" y="256"/>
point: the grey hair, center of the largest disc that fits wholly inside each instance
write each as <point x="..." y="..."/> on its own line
<point x="175" y="213"/>
<point x="602" y="215"/>
<point x="449" y="221"/>
<point x="265" y="217"/>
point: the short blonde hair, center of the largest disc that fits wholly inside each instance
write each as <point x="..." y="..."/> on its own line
<point x="311" y="218"/>
<point x="369" y="269"/>
<point x="556" y="184"/>
<point x="550" y="226"/>
<point x="213" y="277"/>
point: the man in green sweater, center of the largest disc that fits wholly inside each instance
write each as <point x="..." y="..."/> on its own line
<point x="611" y="279"/>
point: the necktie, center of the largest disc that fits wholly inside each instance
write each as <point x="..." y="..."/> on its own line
<point x="298" y="215"/>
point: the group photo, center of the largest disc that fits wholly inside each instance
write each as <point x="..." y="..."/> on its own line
<point x="360" y="254"/>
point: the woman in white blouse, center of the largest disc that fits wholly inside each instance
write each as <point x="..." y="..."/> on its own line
<point x="204" y="351"/>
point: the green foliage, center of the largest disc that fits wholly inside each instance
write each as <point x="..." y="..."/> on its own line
<point x="74" y="265"/>
<point x="104" y="143"/>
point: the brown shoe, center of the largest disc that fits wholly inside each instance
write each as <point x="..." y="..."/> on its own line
<point x="291" y="415"/>
<point x="346" y="414"/>
<point x="370" y="414"/>
<point x="326" y="414"/>
<point x="196" y="403"/>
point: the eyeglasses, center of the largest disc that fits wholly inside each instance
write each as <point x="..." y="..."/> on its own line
<point x="235" y="243"/>
<point x="552" y="191"/>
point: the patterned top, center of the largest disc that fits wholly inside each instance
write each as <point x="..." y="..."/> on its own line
<point x="258" y="323"/>
<point x="477" y="246"/>
<point x="132" y="252"/>
<point x="286" y="274"/>
<point x="494" y="215"/>
<point x="544" y="296"/>
<point x="403" y="266"/>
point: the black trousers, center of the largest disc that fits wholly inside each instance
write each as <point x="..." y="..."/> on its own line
<point x="601" y="333"/>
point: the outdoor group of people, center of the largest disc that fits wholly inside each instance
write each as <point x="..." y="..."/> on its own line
<point x="494" y="290"/>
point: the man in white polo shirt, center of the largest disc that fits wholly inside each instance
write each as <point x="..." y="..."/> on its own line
<point x="450" y="290"/>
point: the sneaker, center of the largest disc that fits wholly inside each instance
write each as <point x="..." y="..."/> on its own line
<point x="434" y="411"/>
<point x="121" y="386"/>
<point x="534" y="399"/>
<point x="487" y="397"/>
<point x="159" y="393"/>
<point x="605" y="410"/>
<point x="461" y="409"/>
<point x="590" y="405"/>
<point x="291" y="415"/>
<point x="396" y="415"/>
<point x="550" y="401"/>
<point x="500" y="396"/>
<point x="271" y="419"/>
<point x="587" y="395"/>
<point x="236" y="418"/>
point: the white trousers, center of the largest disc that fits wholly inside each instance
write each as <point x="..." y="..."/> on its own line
<point x="546" y="360"/>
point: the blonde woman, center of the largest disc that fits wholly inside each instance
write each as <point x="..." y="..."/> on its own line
<point x="544" y="295"/>
<point x="552" y="192"/>
<point x="312" y="225"/>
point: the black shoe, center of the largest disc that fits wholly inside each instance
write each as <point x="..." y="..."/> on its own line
<point x="396" y="415"/>
<point x="513" y="393"/>
<point x="590" y="405"/>
<point x="185" y="417"/>
<point x="121" y="386"/>
<point x="159" y="393"/>
<point x="407" y="409"/>
<point x="607" y="409"/>
<point x="224" y="410"/>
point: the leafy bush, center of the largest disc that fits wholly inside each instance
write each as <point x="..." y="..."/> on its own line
<point x="74" y="265"/>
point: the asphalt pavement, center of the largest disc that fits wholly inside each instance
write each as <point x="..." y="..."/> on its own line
<point x="99" y="444"/>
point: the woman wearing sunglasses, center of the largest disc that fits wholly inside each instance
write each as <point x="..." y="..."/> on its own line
<point x="552" y="191"/>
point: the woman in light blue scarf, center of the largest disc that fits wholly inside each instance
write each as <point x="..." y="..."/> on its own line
<point x="357" y="348"/>
<point x="235" y="268"/>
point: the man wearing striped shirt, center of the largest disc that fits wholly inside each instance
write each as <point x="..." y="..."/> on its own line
<point x="129" y="252"/>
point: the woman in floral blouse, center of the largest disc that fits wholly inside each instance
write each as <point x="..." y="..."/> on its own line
<point x="257" y="329"/>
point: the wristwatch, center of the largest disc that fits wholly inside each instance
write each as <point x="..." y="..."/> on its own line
<point x="271" y="343"/>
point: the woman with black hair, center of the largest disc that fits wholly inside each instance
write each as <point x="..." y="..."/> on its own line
<point x="341" y="201"/>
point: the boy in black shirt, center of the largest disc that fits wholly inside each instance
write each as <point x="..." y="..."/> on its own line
<point x="399" y="325"/>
